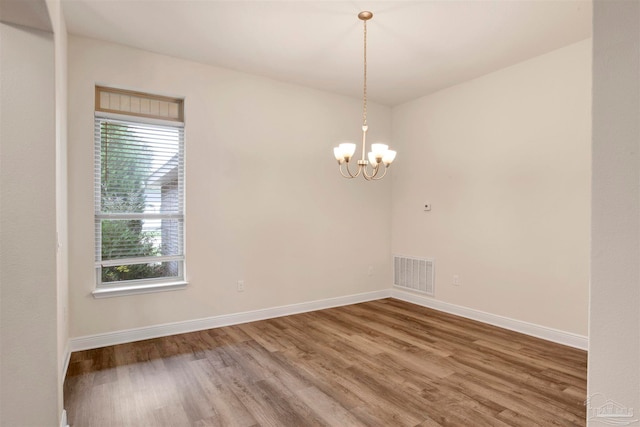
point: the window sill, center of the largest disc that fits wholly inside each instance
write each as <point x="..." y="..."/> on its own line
<point x="118" y="291"/>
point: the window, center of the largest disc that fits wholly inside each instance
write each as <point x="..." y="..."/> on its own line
<point x="139" y="192"/>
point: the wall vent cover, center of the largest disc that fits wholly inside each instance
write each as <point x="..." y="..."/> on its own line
<point x="416" y="274"/>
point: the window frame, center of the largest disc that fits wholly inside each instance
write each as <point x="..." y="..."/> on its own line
<point x="146" y="285"/>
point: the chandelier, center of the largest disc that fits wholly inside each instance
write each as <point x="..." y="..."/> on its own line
<point x="380" y="153"/>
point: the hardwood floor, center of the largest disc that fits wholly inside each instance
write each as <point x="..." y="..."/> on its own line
<point x="380" y="363"/>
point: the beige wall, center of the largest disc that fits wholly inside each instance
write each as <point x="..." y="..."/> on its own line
<point x="505" y="162"/>
<point x="29" y="386"/>
<point x="614" y="330"/>
<point x="265" y="202"/>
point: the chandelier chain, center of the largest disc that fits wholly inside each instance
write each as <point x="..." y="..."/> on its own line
<point x="364" y="89"/>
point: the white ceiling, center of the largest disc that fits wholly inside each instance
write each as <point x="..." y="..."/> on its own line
<point x="28" y="13"/>
<point x="414" y="47"/>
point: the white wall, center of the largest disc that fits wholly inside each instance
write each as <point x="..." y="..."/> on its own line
<point x="614" y="330"/>
<point x="62" y="259"/>
<point x="504" y="160"/>
<point x="29" y="389"/>
<point x="265" y="202"/>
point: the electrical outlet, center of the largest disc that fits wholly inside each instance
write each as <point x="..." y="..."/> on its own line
<point x="240" y="285"/>
<point x="427" y="206"/>
<point x="456" y="280"/>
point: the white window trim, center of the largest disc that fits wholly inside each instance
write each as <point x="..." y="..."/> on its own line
<point x="118" y="291"/>
<point x="142" y="286"/>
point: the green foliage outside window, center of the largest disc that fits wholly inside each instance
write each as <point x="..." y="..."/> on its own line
<point x="124" y="172"/>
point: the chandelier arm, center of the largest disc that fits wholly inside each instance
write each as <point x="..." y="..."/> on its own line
<point x="383" y="174"/>
<point x="349" y="171"/>
<point x="374" y="173"/>
<point x="365" y="175"/>
<point x="342" y="173"/>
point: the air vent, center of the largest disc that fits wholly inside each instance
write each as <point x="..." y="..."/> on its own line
<point x="416" y="274"/>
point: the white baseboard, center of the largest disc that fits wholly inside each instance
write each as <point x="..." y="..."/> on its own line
<point x="137" y="334"/>
<point x="63" y="419"/>
<point x="155" y="331"/>
<point x="65" y="367"/>
<point x="549" y="334"/>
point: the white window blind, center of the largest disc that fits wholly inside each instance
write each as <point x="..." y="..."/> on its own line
<point x="139" y="201"/>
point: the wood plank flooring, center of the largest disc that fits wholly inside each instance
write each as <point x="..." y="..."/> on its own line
<point x="380" y="363"/>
